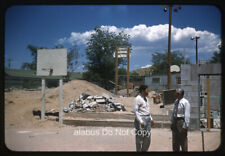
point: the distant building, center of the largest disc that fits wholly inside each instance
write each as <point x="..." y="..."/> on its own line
<point x="144" y="71"/>
<point x="18" y="78"/>
<point x="159" y="82"/>
<point x="202" y="61"/>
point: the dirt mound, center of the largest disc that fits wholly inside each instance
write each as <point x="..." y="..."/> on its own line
<point x="72" y="90"/>
<point x="76" y="88"/>
<point x="19" y="104"/>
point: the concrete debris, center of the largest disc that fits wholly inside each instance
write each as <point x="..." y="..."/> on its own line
<point x="214" y="123"/>
<point x="156" y="98"/>
<point x="87" y="102"/>
<point x="101" y="101"/>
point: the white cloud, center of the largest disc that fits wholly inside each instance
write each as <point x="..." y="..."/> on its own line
<point x="150" y="39"/>
<point x="146" y="66"/>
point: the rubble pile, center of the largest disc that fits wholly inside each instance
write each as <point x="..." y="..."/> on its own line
<point x="88" y="102"/>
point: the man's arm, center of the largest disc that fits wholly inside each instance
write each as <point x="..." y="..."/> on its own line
<point x="172" y="115"/>
<point x="187" y="115"/>
<point x="136" y="105"/>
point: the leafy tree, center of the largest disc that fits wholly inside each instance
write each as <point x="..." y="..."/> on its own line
<point x="72" y="60"/>
<point x="31" y="66"/>
<point x="99" y="52"/>
<point x="160" y="61"/>
<point x="122" y="72"/>
<point x="216" y="58"/>
<point x="134" y="76"/>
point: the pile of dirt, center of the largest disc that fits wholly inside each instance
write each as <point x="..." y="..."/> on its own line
<point x="21" y="104"/>
<point x="72" y="90"/>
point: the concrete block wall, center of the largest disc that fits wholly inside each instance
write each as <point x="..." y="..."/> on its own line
<point x="189" y="83"/>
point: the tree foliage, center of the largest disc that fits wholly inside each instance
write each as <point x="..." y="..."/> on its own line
<point x="216" y="58"/>
<point x="134" y="76"/>
<point x="160" y="61"/>
<point x="99" y="52"/>
<point x="31" y="66"/>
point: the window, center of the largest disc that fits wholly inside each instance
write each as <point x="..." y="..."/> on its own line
<point x="155" y="80"/>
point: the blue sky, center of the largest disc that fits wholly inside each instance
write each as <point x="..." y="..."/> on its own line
<point x="147" y="24"/>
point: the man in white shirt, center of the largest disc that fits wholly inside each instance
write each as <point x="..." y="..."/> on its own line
<point x="143" y="120"/>
<point x="180" y="120"/>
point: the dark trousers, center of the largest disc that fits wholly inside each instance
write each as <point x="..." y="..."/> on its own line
<point x="179" y="138"/>
<point x="143" y="135"/>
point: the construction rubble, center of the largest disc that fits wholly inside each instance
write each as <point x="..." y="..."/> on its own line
<point x="91" y="103"/>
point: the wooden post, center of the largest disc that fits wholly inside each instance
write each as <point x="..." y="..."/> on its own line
<point x="208" y="101"/>
<point x="60" y="100"/>
<point x="43" y="99"/>
<point x="116" y="71"/>
<point x="128" y="76"/>
<point x="169" y="46"/>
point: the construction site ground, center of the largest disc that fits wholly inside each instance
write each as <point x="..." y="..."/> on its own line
<point x="68" y="138"/>
<point x="25" y="131"/>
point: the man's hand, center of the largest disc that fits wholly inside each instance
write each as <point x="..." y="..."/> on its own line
<point x="153" y="123"/>
<point x="142" y="124"/>
<point x="183" y="130"/>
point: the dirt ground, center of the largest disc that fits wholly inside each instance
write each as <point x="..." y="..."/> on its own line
<point x="101" y="139"/>
<point x="20" y="104"/>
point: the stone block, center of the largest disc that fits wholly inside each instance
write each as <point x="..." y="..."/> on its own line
<point x="185" y="72"/>
<point x="194" y="116"/>
<point x="194" y="104"/>
<point x="187" y="88"/>
<point x="209" y="69"/>
<point x="195" y="99"/>
<point x="193" y="83"/>
<point x="194" y="110"/>
<point x="193" y="94"/>
<point x="194" y="88"/>
<point x="194" y="124"/>
<point x="194" y="74"/>
<point x="184" y="82"/>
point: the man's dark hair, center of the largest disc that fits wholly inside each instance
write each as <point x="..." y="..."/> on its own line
<point x="142" y="88"/>
<point x="181" y="91"/>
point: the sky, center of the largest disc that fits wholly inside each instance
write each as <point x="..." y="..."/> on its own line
<point x="49" y="25"/>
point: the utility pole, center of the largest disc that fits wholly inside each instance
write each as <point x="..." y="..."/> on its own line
<point x="128" y="76"/>
<point x="176" y="7"/>
<point x="116" y="71"/>
<point x="196" y="46"/>
<point x="169" y="46"/>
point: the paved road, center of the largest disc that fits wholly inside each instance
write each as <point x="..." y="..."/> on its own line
<point x="99" y="139"/>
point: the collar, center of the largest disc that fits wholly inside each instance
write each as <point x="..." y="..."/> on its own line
<point x="143" y="96"/>
<point x="179" y="100"/>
